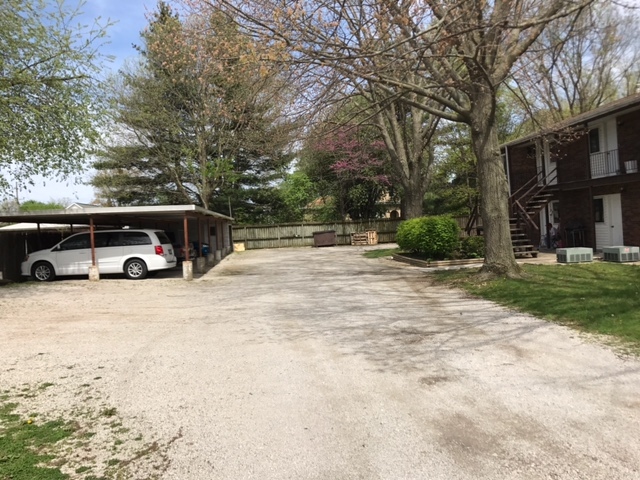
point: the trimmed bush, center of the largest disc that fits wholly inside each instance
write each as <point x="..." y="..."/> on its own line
<point x="434" y="237"/>
<point x="472" y="247"/>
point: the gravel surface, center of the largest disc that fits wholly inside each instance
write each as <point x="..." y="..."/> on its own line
<point x="315" y="364"/>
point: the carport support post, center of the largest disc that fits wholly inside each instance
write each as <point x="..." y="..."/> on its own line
<point x="218" y="253"/>
<point x="39" y="237"/>
<point x="94" y="274"/>
<point x="187" y="265"/>
<point x="210" y="255"/>
<point x="200" y="260"/>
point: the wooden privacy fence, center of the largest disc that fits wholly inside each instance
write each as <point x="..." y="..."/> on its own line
<point x="301" y="234"/>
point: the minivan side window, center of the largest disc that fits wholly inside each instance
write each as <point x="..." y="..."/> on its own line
<point x="101" y="239"/>
<point x="135" y="238"/>
<point x="76" y="242"/>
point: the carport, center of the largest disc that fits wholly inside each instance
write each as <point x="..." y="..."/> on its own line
<point x="191" y="226"/>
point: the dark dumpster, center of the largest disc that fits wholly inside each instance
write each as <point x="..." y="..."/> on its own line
<point x="327" y="238"/>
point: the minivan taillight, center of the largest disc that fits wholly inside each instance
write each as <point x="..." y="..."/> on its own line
<point x="159" y="250"/>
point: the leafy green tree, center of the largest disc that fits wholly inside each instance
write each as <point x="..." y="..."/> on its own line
<point x="33" y="205"/>
<point x="201" y="120"/>
<point x="454" y="188"/>
<point x="296" y="191"/>
<point x="50" y="100"/>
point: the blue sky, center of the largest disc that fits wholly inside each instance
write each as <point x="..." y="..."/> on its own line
<point x="129" y="17"/>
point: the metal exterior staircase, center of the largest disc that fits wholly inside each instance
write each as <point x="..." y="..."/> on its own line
<point x="525" y="203"/>
<point x="522" y="245"/>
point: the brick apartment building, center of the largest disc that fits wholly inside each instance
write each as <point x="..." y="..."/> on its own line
<point x="582" y="176"/>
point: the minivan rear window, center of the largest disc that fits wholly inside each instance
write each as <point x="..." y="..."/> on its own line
<point x="164" y="240"/>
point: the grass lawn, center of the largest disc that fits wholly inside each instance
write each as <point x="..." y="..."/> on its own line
<point x="85" y="442"/>
<point x="382" y="252"/>
<point x="22" y="443"/>
<point x="596" y="297"/>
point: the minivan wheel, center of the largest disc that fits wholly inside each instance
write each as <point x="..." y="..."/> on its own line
<point x="135" y="269"/>
<point x="43" y="272"/>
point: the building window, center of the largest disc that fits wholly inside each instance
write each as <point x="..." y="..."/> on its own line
<point x="598" y="210"/>
<point x="594" y="140"/>
<point x="555" y="212"/>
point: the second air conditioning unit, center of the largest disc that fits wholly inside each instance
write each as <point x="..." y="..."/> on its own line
<point x="621" y="254"/>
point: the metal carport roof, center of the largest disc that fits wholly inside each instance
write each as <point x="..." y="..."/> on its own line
<point x="143" y="216"/>
<point x="155" y="216"/>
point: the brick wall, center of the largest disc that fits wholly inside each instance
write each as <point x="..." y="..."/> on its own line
<point x="522" y="165"/>
<point x="572" y="159"/>
<point x="630" y="199"/>
<point x="575" y="209"/>
<point x="628" y="138"/>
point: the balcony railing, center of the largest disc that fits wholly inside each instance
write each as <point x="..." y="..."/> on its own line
<point x="607" y="164"/>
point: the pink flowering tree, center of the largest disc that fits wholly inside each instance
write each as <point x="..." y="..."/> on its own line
<point x="351" y="166"/>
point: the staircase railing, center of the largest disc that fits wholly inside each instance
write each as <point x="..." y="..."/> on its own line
<point x="473" y="218"/>
<point x="533" y="186"/>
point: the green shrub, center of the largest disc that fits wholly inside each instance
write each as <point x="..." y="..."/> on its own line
<point x="408" y="235"/>
<point x="434" y="237"/>
<point x="472" y="247"/>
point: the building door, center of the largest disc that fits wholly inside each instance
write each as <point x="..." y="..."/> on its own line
<point x="607" y="211"/>
<point x="549" y="164"/>
<point x="549" y="214"/>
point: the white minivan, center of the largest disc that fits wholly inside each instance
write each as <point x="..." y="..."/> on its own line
<point x="132" y="252"/>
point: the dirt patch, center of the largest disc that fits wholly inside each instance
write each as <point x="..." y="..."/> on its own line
<point x="313" y="363"/>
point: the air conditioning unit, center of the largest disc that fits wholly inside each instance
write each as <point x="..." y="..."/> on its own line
<point x="631" y="166"/>
<point x="574" y="255"/>
<point x="621" y="254"/>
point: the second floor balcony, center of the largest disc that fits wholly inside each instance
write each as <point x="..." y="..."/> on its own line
<point x="608" y="164"/>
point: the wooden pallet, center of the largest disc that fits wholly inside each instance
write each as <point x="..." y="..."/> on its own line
<point x="369" y="237"/>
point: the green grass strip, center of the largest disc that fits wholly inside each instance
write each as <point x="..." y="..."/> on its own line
<point x="380" y="253"/>
<point x="20" y="444"/>
<point x="597" y="297"/>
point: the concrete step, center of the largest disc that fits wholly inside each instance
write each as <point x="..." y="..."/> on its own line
<point x="527" y="254"/>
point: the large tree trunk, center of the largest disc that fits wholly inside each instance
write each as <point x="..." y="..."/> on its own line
<point x="412" y="201"/>
<point x="492" y="179"/>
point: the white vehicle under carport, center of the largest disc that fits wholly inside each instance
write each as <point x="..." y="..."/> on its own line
<point x="136" y="253"/>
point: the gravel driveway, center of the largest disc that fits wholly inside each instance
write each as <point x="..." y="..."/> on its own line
<point x="316" y="364"/>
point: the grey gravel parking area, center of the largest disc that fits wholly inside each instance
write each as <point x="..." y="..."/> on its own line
<point x="316" y="364"/>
